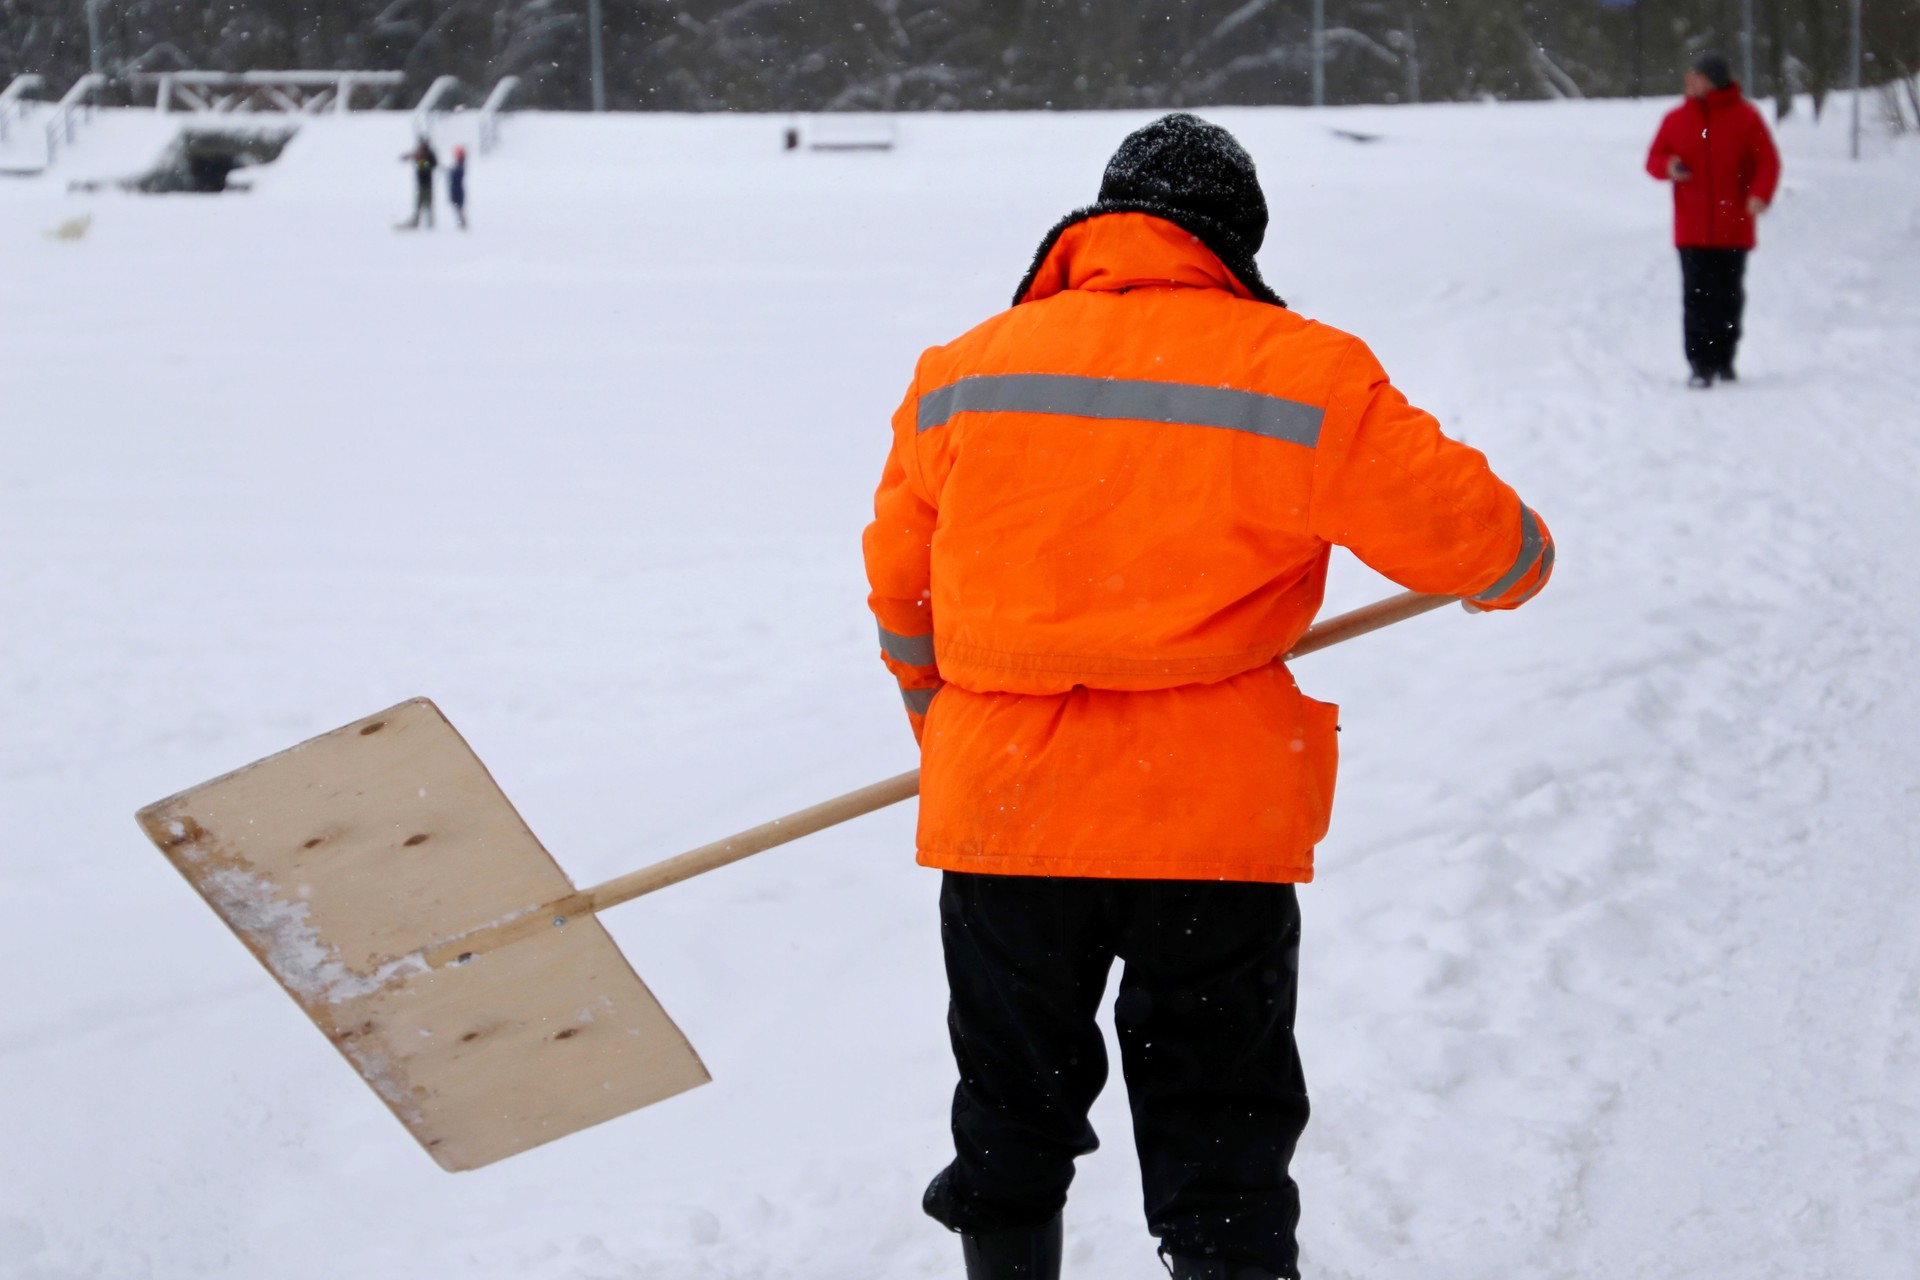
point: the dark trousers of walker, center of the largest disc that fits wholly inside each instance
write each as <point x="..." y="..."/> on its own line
<point x="1205" y="1020"/>
<point x="1714" y="293"/>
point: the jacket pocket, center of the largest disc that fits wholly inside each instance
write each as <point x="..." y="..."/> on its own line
<point x="1319" y="743"/>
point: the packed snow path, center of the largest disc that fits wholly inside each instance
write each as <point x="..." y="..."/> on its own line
<point x="1614" y="963"/>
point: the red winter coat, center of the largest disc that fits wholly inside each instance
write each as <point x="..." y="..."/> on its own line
<point x="1724" y="142"/>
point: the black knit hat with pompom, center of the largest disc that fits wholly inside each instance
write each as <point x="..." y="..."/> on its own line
<point x="1195" y="175"/>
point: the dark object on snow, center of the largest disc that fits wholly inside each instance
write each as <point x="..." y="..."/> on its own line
<point x="1019" y="1253"/>
<point x="1714" y="299"/>
<point x="1715" y="67"/>
<point x="1205" y="1020"/>
<point x="202" y="160"/>
<point x="1194" y="174"/>
<point x="1354" y="135"/>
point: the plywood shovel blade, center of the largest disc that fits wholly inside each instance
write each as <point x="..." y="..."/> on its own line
<point x="352" y="863"/>
<point x="379" y="873"/>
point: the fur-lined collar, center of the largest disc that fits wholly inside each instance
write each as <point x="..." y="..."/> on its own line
<point x="1222" y="243"/>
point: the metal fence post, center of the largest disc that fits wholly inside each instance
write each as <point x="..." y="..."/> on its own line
<point x="1746" y="45"/>
<point x="1856" y="79"/>
<point x="597" y="55"/>
<point x="1319" y="53"/>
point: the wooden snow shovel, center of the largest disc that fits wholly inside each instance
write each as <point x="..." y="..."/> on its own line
<point x="381" y="875"/>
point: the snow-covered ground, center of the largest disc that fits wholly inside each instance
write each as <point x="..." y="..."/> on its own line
<point x="1613" y="968"/>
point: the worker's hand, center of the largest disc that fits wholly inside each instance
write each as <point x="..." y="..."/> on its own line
<point x="1677" y="169"/>
<point x="1756" y="206"/>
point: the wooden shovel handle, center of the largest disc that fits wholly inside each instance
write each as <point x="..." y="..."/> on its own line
<point x="840" y="809"/>
<point x="1371" y="617"/>
<point x="828" y="813"/>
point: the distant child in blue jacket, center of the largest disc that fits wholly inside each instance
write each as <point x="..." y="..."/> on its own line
<point x="457" y="186"/>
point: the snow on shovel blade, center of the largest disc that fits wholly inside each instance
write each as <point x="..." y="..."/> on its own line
<point x="352" y="866"/>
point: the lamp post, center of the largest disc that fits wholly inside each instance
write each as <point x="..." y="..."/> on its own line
<point x="599" y="61"/>
<point x="1856" y="79"/>
<point x="1639" y="50"/>
<point x="1319" y="53"/>
<point x="1746" y="44"/>
<point x="96" y="57"/>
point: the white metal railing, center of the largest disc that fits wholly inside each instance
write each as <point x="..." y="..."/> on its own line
<point x="429" y="108"/>
<point x="291" y="92"/>
<point x="490" y="112"/>
<point x="60" y="128"/>
<point x="11" y="98"/>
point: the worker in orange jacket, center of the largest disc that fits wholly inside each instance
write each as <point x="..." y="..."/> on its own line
<point x="1106" y="515"/>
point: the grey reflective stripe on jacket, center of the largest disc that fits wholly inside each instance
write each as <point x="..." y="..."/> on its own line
<point x="1124" y="398"/>
<point x="918" y="700"/>
<point x="915" y="651"/>
<point x="1546" y="567"/>
<point x="1530" y="543"/>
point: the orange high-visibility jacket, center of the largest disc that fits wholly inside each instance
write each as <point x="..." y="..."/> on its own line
<point x="1106" y="514"/>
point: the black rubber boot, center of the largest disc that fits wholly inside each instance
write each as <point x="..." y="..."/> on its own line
<point x="1018" y="1253"/>
<point x="1216" y="1269"/>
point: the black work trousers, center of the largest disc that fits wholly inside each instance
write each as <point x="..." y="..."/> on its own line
<point x="1714" y="293"/>
<point x="1205" y="1020"/>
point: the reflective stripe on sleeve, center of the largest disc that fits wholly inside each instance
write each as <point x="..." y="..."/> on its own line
<point x="918" y="700"/>
<point x="1529" y="552"/>
<point x="1546" y="567"/>
<point x="1126" y="399"/>
<point x="915" y="651"/>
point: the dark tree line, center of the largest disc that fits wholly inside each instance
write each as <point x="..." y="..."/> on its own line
<point x="774" y="55"/>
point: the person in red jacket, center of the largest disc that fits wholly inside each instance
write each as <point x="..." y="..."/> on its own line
<point x="1716" y="151"/>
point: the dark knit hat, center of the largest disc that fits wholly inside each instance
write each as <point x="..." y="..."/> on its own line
<point x="1195" y="175"/>
<point x="1715" y="67"/>
<point x="1187" y="164"/>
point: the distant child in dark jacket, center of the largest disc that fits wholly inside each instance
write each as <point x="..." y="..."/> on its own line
<point x="424" y="162"/>
<point x="457" y="186"/>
